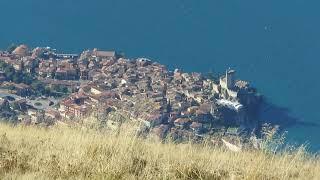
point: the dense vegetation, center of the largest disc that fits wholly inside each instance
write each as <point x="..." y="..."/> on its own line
<point x="83" y="153"/>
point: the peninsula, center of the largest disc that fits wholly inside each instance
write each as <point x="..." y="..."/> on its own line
<point x="41" y="86"/>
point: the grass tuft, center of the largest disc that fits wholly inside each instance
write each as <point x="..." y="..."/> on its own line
<point x="78" y="153"/>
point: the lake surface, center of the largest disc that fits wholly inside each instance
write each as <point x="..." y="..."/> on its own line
<point x="273" y="44"/>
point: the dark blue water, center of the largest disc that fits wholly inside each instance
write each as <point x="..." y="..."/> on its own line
<point x="274" y="44"/>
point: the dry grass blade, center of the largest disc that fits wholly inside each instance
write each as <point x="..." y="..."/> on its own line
<point x="75" y="153"/>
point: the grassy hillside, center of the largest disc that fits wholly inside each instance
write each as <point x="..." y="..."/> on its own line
<point x="74" y="153"/>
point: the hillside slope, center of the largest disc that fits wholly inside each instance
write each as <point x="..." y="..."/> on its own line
<point x="78" y="153"/>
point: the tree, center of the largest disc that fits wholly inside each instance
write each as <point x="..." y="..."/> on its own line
<point x="47" y="91"/>
<point x="27" y="79"/>
<point x="16" y="78"/>
<point x="3" y="65"/>
<point x="65" y="90"/>
<point x="9" y="72"/>
<point x="57" y="88"/>
<point x="38" y="87"/>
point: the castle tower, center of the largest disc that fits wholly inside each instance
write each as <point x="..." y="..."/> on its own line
<point x="230" y="78"/>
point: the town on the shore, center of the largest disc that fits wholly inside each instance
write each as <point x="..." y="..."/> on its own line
<point x="41" y="86"/>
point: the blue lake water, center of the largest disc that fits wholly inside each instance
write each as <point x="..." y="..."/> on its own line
<point x="273" y="44"/>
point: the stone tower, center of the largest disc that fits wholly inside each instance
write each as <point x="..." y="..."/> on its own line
<point x="230" y="78"/>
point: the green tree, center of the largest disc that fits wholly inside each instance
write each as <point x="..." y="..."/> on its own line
<point x="47" y="91"/>
<point x="27" y="78"/>
<point x="10" y="72"/>
<point x="65" y="90"/>
<point x="38" y="87"/>
<point x="16" y="78"/>
<point x="3" y="65"/>
<point x="57" y="88"/>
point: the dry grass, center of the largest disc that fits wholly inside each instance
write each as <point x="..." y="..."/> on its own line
<point x="74" y="153"/>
